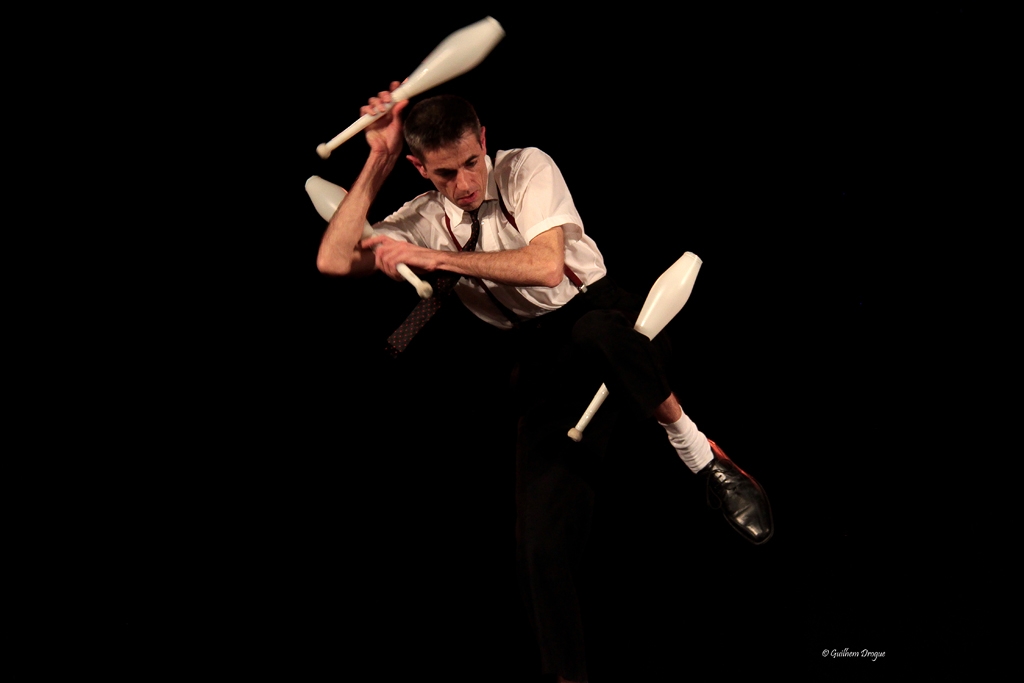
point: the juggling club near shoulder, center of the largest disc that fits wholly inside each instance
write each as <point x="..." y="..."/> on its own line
<point x="667" y="297"/>
<point x="327" y="196"/>
<point x="454" y="56"/>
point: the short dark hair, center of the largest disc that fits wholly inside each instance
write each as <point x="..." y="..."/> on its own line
<point x="438" y="122"/>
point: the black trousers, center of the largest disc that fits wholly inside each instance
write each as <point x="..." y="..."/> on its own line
<point x="566" y="355"/>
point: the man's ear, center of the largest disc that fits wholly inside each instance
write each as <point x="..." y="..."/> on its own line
<point x="418" y="164"/>
<point x="483" y="139"/>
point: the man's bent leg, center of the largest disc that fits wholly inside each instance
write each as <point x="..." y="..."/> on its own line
<point x="633" y="365"/>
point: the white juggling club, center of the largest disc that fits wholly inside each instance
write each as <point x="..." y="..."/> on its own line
<point x="667" y="297"/>
<point x="327" y="197"/>
<point x="454" y="56"/>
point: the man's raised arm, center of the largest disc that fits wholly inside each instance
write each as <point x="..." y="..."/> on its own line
<point x="340" y="252"/>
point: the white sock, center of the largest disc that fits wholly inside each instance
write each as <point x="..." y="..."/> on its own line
<point x="691" y="445"/>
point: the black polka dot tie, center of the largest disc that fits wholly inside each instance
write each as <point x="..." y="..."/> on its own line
<point x="426" y="308"/>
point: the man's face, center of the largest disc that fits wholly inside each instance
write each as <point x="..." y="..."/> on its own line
<point x="458" y="172"/>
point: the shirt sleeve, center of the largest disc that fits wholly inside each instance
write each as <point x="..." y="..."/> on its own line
<point x="539" y="197"/>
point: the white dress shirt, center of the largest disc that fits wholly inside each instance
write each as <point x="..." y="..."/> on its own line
<point x="538" y="199"/>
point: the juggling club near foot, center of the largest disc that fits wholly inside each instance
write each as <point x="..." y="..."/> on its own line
<point x="667" y="297"/>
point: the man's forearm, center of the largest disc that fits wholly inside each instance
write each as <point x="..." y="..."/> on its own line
<point x="539" y="264"/>
<point x="339" y="252"/>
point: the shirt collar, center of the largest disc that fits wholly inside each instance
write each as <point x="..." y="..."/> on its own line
<point x="491" y="193"/>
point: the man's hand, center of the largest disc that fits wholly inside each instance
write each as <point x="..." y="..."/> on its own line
<point x="388" y="253"/>
<point x="385" y="134"/>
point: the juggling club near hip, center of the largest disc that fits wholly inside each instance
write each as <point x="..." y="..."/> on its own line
<point x="454" y="56"/>
<point x="327" y="197"/>
<point x="667" y="297"/>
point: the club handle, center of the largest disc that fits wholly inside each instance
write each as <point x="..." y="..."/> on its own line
<point x="402" y="92"/>
<point x="422" y="288"/>
<point x="576" y="433"/>
<point x="325" y="149"/>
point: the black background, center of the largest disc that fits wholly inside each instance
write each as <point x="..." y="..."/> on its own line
<point x="316" y="506"/>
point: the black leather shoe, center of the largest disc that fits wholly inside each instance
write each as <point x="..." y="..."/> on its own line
<point x="742" y="500"/>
